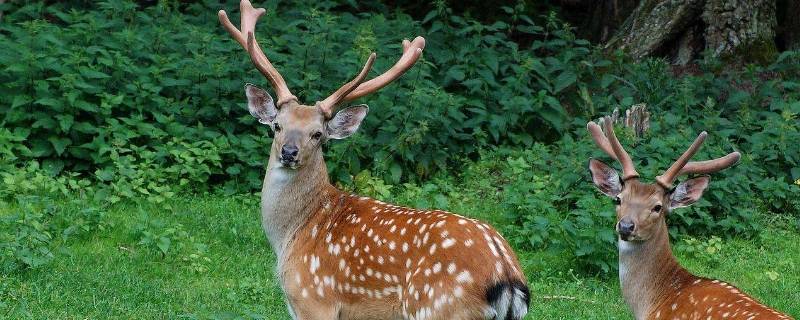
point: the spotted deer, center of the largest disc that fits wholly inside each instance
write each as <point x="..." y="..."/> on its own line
<point x="342" y="256"/>
<point x="653" y="283"/>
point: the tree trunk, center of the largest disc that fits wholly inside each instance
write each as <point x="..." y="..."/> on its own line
<point x="741" y="27"/>
<point x="679" y="30"/>
<point x="653" y="24"/>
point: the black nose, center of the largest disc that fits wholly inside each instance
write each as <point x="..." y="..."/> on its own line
<point x="625" y="228"/>
<point x="289" y="152"/>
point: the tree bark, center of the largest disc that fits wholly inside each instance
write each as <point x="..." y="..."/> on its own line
<point x="680" y="30"/>
<point x="653" y="24"/>
<point x="744" y="27"/>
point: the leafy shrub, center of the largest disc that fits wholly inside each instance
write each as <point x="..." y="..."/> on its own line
<point x="705" y="250"/>
<point x="26" y="240"/>
<point x="171" y="103"/>
<point x="30" y="178"/>
<point x="34" y="230"/>
<point x="172" y="241"/>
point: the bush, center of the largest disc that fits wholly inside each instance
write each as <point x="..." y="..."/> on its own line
<point x="89" y="91"/>
<point x="34" y="230"/>
<point x="170" y="241"/>
<point x="26" y="238"/>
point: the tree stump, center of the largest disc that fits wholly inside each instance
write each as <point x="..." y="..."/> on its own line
<point x="637" y="118"/>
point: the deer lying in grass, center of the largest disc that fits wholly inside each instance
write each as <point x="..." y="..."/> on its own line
<point x="653" y="284"/>
<point x="342" y="256"/>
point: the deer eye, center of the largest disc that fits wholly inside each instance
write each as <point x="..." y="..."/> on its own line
<point x="277" y="127"/>
<point x="617" y="200"/>
<point x="316" y="135"/>
<point x="657" y="208"/>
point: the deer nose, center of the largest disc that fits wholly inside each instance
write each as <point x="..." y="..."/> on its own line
<point x="625" y="228"/>
<point x="289" y="151"/>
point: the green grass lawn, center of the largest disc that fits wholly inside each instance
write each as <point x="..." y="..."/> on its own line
<point x="108" y="274"/>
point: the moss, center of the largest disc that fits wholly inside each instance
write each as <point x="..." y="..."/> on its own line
<point x="760" y="51"/>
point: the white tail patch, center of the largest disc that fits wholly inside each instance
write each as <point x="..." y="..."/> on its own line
<point x="510" y="303"/>
<point x="502" y="304"/>
<point x="519" y="305"/>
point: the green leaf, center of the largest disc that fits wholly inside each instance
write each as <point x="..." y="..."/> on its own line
<point x="92" y="74"/>
<point x="456" y="74"/>
<point x="396" y="172"/>
<point x="164" y="244"/>
<point x="606" y="80"/>
<point x="65" y="121"/>
<point x="564" y="80"/>
<point x="234" y="170"/>
<point x="20" y="100"/>
<point x="50" y="102"/>
<point x="59" y="144"/>
<point x="492" y="62"/>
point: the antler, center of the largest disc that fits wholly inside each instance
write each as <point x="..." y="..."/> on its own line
<point x="245" y="37"/>
<point x="355" y="89"/>
<point x="683" y="166"/>
<point x="327" y="105"/>
<point x="610" y="145"/>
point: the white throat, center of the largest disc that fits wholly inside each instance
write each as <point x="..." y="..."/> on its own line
<point x="629" y="276"/>
<point x="626" y="248"/>
<point x="277" y="185"/>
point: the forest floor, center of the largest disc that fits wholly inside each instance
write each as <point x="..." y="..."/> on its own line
<point x="219" y="266"/>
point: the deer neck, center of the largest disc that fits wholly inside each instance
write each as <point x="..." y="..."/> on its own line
<point x="290" y="197"/>
<point x="647" y="271"/>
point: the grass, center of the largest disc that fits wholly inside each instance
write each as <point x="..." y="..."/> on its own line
<point x="109" y="274"/>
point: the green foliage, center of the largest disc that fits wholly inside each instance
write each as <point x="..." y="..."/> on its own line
<point x="167" y="110"/>
<point x="172" y="241"/>
<point x="554" y="205"/>
<point x="704" y="250"/>
<point x="549" y="204"/>
<point x="112" y="103"/>
<point x="35" y="230"/>
<point x="27" y="236"/>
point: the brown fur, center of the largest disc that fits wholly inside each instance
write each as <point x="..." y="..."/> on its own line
<point x="342" y="256"/>
<point x="654" y="284"/>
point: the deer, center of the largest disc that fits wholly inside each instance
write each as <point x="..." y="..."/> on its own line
<point x="344" y="256"/>
<point x="654" y="285"/>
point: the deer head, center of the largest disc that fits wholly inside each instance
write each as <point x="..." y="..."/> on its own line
<point x="299" y="129"/>
<point x="642" y="207"/>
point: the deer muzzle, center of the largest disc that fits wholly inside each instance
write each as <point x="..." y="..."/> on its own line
<point x="289" y="155"/>
<point x="625" y="228"/>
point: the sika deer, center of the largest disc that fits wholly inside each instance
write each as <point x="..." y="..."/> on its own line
<point x="653" y="284"/>
<point x="341" y="256"/>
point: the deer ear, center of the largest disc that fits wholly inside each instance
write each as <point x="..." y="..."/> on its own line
<point x="260" y="104"/>
<point x="605" y="178"/>
<point x="688" y="192"/>
<point x="346" y="121"/>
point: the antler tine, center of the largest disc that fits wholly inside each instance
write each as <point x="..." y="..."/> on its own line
<point x="628" y="171"/>
<point x="411" y="53"/>
<point x="600" y="139"/>
<point x="711" y="166"/>
<point x="327" y="105"/>
<point x="246" y="38"/>
<point x="674" y="170"/>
